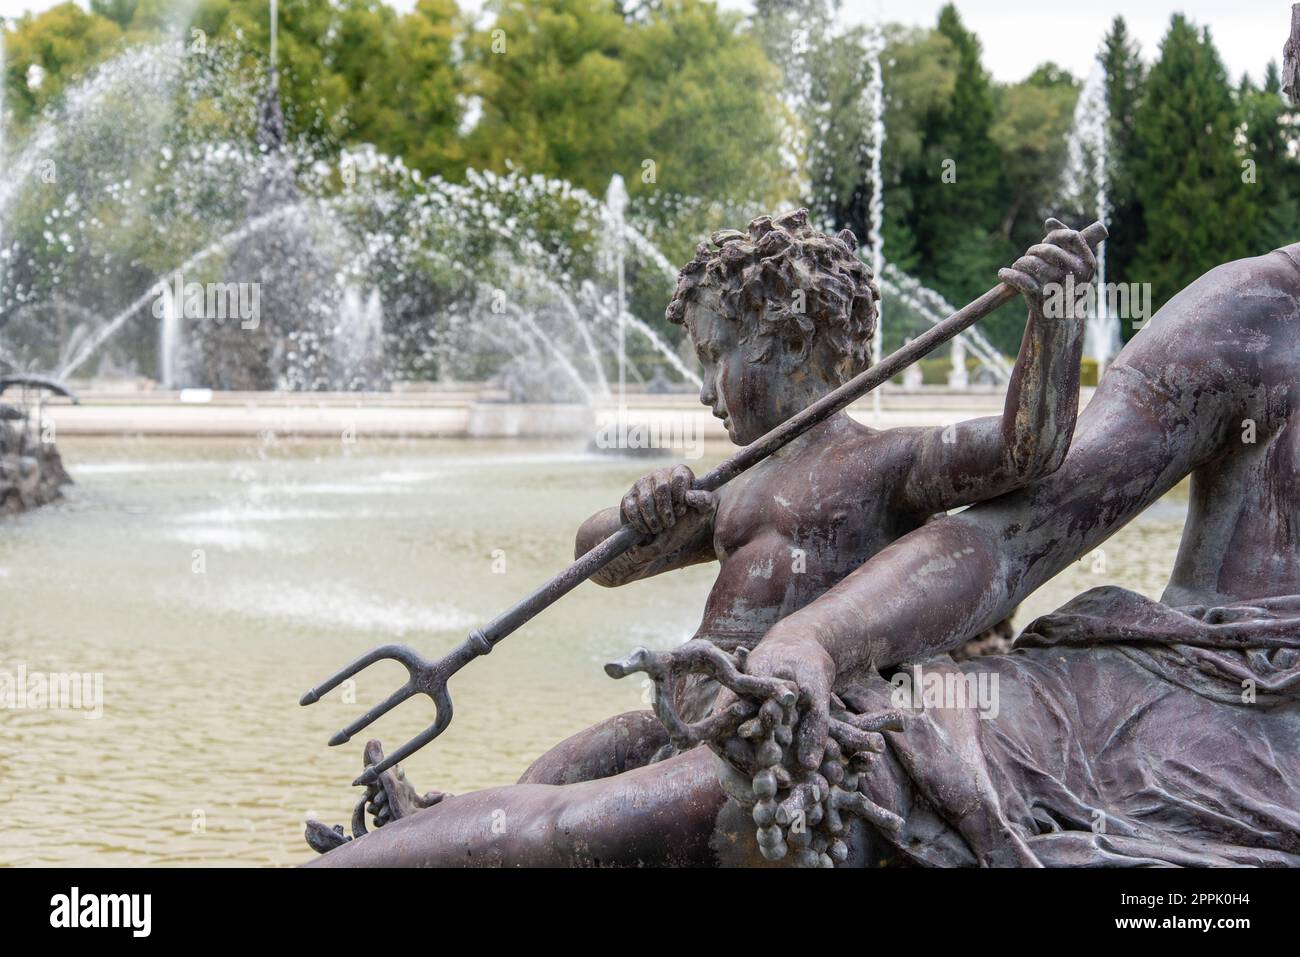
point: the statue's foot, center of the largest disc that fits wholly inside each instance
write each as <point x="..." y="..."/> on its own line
<point x="392" y="797"/>
<point x="322" y="837"/>
<point x="389" y="798"/>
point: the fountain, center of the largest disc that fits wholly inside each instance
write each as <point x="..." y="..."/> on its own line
<point x="616" y="201"/>
<point x="1085" y="182"/>
<point x="394" y="276"/>
<point x="875" y="236"/>
<point x="170" y="360"/>
<point x="389" y="276"/>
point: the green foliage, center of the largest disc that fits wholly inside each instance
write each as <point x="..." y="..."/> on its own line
<point x="1125" y="78"/>
<point x="119" y="11"/>
<point x="1031" y="132"/>
<point x="712" y="119"/>
<point x="679" y="101"/>
<point x="58" y="47"/>
<point x="1266" y="126"/>
<point x="956" y="191"/>
<point x="1187" y="172"/>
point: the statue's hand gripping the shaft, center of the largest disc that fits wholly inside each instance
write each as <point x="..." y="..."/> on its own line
<point x="779" y="316"/>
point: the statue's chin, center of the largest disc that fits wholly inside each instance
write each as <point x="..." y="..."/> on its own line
<point x="743" y="434"/>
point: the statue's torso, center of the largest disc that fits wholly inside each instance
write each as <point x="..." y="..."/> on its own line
<point x="1242" y="538"/>
<point x="799" y="522"/>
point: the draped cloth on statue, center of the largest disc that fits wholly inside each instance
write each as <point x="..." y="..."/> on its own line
<point x="1126" y="732"/>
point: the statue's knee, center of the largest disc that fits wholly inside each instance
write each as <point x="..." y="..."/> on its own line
<point x="616" y="745"/>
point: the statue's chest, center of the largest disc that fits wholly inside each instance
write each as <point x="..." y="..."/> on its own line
<point x="793" y="508"/>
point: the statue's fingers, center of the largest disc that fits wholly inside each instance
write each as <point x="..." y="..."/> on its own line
<point x="699" y="501"/>
<point x="1020" y="281"/>
<point x="645" y="506"/>
<point x="663" y="501"/>
<point x="629" y="512"/>
<point x="1072" y="240"/>
<point x="680" y="481"/>
<point x="813" y="726"/>
<point x="1047" y="276"/>
<point x="1080" y="246"/>
<point x="1063" y="260"/>
<point x="865" y="808"/>
<point x="891" y="720"/>
<point x="855" y="739"/>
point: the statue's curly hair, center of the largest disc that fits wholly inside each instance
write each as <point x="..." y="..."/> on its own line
<point x="760" y="275"/>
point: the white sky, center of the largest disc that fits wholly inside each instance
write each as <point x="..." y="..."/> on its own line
<point x="1019" y="34"/>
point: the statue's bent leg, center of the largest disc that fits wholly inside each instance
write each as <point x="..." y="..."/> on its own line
<point x="611" y="747"/>
<point x="666" y="814"/>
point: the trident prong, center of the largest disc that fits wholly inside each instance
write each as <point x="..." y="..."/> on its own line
<point x="425" y="677"/>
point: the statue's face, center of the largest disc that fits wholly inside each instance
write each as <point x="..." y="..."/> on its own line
<point x="749" y="397"/>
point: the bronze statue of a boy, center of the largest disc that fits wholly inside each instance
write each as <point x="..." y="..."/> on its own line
<point x="779" y="316"/>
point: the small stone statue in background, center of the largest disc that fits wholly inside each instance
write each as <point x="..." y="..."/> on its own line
<point x="31" y="469"/>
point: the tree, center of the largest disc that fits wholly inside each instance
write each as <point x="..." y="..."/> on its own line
<point x="959" y="192"/>
<point x="1125" y="79"/>
<point x="678" y="99"/>
<point x="1187" y="174"/>
<point x="1271" y="170"/>
<point x="46" y="52"/>
<point x="1033" y="120"/>
<point x="824" y="77"/>
<point x="411" y="108"/>
<point x="920" y="72"/>
<point x="119" y="11"/>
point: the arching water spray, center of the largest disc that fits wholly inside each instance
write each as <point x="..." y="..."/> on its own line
<point x="1086" y="173"/>
<point x="221" y="245"/>
<point x="875" y="237"/>
<point x="616" y="199"/>
<point x="169" y="339"/>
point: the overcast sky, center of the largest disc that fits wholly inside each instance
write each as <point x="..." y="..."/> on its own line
<point x="1019" y="34"/>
